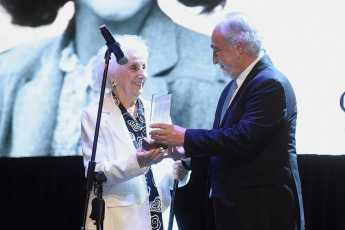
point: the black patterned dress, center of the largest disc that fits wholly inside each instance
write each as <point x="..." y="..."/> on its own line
<point x="137" y="130"/>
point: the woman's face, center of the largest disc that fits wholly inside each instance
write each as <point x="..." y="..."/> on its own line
<point x="131" y="77"/>
<point x="116" y="10"/>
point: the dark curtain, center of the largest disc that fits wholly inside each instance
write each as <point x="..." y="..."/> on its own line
<point x="48" y="193"/>
<point x="42" y="193"/>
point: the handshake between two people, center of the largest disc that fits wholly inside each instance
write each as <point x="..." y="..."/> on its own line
<point x="173" y="137"/>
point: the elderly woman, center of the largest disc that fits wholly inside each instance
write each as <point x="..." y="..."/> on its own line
<point x="137" y="190"/>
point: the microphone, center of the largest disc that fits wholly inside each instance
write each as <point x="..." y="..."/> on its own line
<point x="113" y="45"/>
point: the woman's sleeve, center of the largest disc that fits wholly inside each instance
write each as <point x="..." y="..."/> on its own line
<point x="123" y="168"/>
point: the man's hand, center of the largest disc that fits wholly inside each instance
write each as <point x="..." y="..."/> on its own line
<point x="168" y="134"/>
<point x="147" y="158"/>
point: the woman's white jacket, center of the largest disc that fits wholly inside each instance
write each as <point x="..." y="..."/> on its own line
<point x="125" y="191"/>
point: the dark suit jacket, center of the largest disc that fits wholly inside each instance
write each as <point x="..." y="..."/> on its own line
<point x="253" y="166"/>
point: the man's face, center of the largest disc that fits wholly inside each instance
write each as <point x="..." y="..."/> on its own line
<point x="225" y="55"/>
<point x="116" y="10"/>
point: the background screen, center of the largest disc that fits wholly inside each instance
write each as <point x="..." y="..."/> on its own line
<point x="305" y="40"/>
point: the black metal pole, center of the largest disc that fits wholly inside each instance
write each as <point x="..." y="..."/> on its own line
<point x="92" y="163"/>
<point x="172" y="205"/>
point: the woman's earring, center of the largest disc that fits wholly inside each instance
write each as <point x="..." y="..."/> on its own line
<point x="114" y="84"/>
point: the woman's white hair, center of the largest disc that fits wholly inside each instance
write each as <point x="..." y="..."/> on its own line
<point x="129" y="44"/>
<point x="238" y="27"/>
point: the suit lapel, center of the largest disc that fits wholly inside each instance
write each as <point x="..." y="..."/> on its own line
<point x="36" y="109"/>
<point x="155" y="25"/>
<point x="252" y="74"/>
<point x="113" y="118"/>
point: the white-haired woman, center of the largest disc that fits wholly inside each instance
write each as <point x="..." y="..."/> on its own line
<point x="137" y="190"/>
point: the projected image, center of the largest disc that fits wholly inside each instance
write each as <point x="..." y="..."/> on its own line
<point x="45" y="80"/>
<point x="44" y="93"/>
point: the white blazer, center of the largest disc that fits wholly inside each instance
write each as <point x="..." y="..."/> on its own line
<point x="125" y="191"/>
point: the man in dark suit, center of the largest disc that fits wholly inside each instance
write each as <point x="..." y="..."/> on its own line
<point x="251" y="150"/>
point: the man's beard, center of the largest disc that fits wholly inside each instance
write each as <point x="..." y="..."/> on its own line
<point x="226" y="71"/>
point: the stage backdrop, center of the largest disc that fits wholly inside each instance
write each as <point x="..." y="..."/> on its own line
<point x="305" y="40"/>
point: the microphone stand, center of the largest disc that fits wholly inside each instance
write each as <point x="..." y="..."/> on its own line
<point x="172" y="205"/>
<point x="98" y="204"/>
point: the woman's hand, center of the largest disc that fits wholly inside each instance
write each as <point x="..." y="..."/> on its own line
<point x="179" y="172"/>
<point x="147" y="158"/>
<point x="175" y="152"/>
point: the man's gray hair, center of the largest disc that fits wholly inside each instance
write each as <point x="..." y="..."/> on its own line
<point x="238" y="27"/>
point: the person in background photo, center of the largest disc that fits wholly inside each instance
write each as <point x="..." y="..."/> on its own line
<point x="44" y="84"/>
<point x="251" y="150"/>
<point x="137" y="189"/>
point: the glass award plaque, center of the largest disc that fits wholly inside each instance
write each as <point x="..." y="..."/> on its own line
<point x="160" y="113"/>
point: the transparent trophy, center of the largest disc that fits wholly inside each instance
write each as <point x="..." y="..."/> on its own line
<point x="160" y="113"/>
